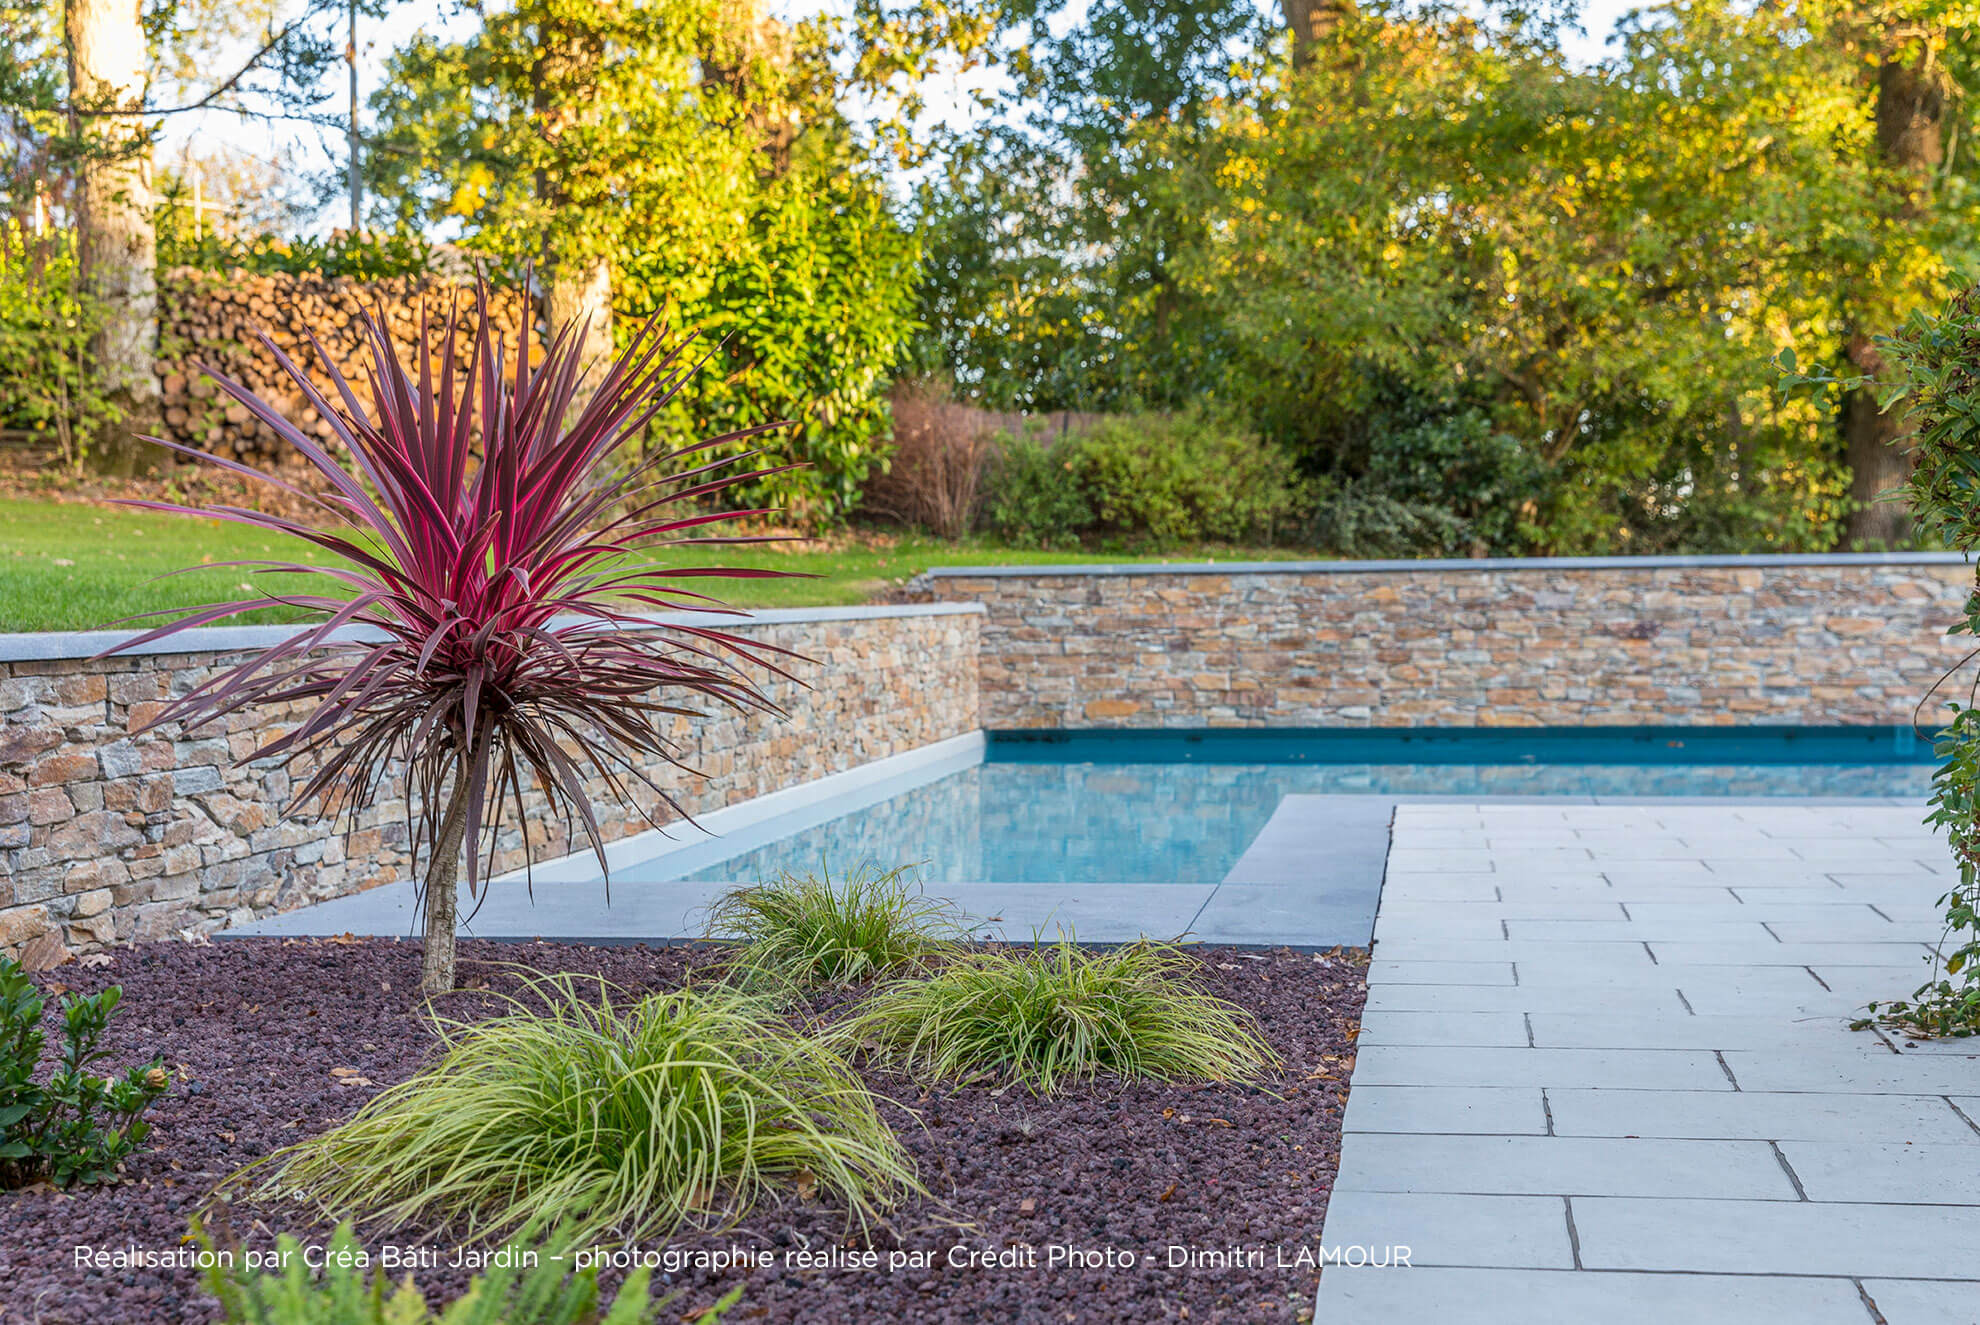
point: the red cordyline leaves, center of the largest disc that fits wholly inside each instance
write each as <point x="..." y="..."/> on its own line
<point x="493" y="630"/>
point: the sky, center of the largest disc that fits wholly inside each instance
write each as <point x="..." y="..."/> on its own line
<point x="311" y="149"/>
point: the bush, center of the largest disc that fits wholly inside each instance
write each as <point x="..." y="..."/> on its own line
<point x="78" y="1128"/>
<point x="1037" y="493"/>
<point x="47" y="386"/>
<point x="682" y="1108"/>
<point x="1149" y="479"/>
<point x="1935" y="383"/>
<point x="525" y="1286"/>
<point x="802" y="931"/>
<point x="1051" y="1015"/>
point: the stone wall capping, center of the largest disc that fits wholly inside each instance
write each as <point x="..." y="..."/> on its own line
<point x="1537" y="564"/>
<point x="57" y="645"/>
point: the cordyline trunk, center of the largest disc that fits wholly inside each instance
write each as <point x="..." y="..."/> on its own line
<point x="443" y="870"/>
<point x="1914" y="96"/>
<point x="117" y="246"/>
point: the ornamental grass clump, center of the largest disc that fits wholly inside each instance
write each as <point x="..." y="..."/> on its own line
<point x="1055" y="1014"/>
<point x="491" y="557"/>
<point x="617" y="1119"/>
<point x="804" y="931"/>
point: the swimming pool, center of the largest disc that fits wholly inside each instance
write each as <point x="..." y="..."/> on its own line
<point x="1183" y="807"/>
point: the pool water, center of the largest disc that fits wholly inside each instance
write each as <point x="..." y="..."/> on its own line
<point x="1182" y="807"/>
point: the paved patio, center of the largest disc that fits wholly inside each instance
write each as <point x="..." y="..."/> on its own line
<point x="1605" y="1075"/>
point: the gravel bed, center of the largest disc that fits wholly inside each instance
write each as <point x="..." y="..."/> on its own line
<point x="270" y="1040"/>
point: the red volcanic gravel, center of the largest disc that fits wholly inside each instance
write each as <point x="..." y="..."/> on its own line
<point x="256" y="1030"/>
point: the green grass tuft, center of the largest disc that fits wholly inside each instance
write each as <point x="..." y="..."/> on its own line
<point x="1058" y="1013"/>
<point x="805" y="932"/>
<point x="614" y="1119"/>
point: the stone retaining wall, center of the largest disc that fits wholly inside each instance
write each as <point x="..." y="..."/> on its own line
<point x="106" y="836"/>
<point x="1547" y="642"/>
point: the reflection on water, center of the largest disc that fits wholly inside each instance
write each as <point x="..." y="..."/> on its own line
<point x="1188" y="823"/>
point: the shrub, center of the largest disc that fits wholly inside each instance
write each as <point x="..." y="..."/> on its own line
<point x="524" y="1286"/>
<point x="804" y="931"/>
<point x="78" y="1128"/>
<point x="1054" y="1014"/>
<point x="680" y="1108"/>
<point x="942" y="449"/>
<point x="500" y="576"/>
<point x="1037" y="493"/>
<point x="1935" y="383"/>
<point x="1150" y="479"/>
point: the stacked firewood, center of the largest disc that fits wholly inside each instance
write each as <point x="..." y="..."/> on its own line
<point x="211" y="320"/>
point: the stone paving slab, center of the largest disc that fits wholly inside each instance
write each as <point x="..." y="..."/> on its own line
<point x="1722" y="1149"/>
<point x="1551" y="1297"/>
<point x="1775" y="1237"/>
<point x="1561" y="1165"/>
<point x="1450" y="1110"/>
<point x="1758" y="1115"/>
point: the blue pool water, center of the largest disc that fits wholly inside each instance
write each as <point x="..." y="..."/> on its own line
<point x="1182" y="807"/>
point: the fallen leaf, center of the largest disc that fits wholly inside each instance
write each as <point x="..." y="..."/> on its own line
<point x="1027" y="1206"/>
<point x="806" y="1183"/>
<point x="1168" y="1193"/>
<point x="96" y="959"/>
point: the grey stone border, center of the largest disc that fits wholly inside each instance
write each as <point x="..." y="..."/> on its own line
<point x="56" y="645"/>
<point x="1541" y="564"/>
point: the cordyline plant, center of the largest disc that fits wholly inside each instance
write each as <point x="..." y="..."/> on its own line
<point x="494" y="583"/>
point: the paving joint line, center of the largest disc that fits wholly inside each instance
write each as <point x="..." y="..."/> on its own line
<point x="1574" y="1234"/>
<point x="1687" y="1002"/>
<point x="1869" y="1303"/>
<point x="1963" y="1115"/>
<point x="1817" y="979"/>
<point x="1547" y="1108"/>
<point x="1800" y="1192"/>
<point x="1725" y="1068"/>
<point x="1648" y="949"/>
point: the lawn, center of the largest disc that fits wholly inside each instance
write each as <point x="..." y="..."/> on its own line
<point x="77" y="566"/>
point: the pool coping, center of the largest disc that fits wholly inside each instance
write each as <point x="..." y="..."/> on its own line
<point x="1385" y="566"/>
<point x="58" y="645"/>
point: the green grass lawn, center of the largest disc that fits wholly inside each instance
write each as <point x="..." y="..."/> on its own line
<point x="72" y="566"/>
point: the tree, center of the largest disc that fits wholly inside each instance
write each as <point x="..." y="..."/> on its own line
<point x="107" y="74"/>
<point x="695" y="150"/>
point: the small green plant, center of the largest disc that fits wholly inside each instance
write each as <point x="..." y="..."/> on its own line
<point x="627" y="1119"/>
<point x="525" y="1285"/>
<point x="1058" y="1013"/>
<point x="78" y="1128"/>
<point x="804" y="931"/>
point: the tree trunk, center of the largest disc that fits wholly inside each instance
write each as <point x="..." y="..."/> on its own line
<point x="1913" y="100"/>
<point x="117" y="246"/>
<point x="1312" y="24"/>
<point x="580" y="295"/>
<point x="443" y="870"/>
<point x="1879" y="459"/>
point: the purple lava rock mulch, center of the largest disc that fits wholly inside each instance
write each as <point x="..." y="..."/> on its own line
<point x="1068" y="1209"/>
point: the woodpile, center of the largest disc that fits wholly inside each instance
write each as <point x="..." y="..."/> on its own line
<point x="211" y="318"/>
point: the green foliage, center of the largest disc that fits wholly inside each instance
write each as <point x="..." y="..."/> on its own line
<point x="698" y="149"/>
<point x="804" y="931"/>
<point x="1035" y="495"/>
<point x="613" y="1118"/>
<point x="526" y="1285"/>
<point x="1441" y="233"/>
<point x="78" y="1128"/>
<point x="1145" y="479"/>
<point x="46" y="321"/>
<point x="1056" y="1014"/>
<point x="1935" y="380"/>
<point x="369" y="256"/>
